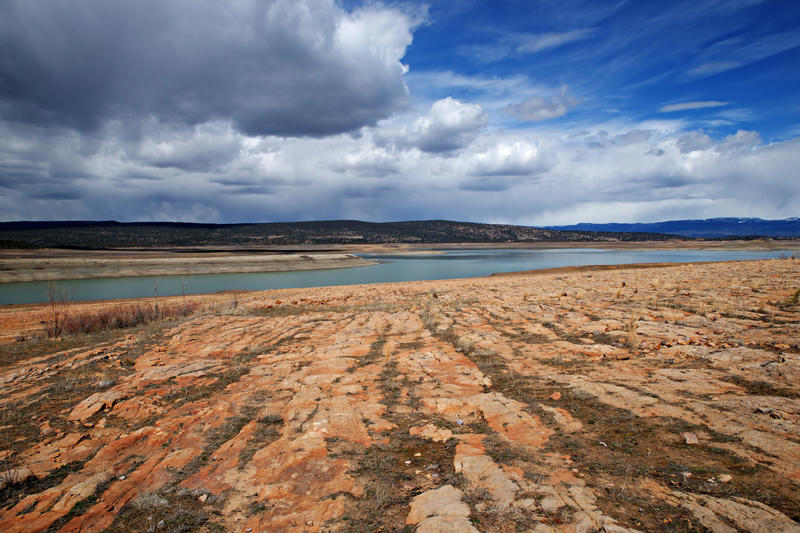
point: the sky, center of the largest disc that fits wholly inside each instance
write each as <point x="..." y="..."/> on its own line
<point x="534" y="112"/>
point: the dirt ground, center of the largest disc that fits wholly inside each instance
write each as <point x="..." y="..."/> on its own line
<point x="664" y="398"/>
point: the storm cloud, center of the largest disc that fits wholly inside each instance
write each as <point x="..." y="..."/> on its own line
<point x="271" y="67"/>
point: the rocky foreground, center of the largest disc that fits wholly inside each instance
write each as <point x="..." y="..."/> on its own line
<point x="652" y="399"/>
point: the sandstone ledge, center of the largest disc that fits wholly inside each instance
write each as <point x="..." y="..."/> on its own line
<point x="548" y="402"/>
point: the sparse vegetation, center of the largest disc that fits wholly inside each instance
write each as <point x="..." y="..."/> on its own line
<point x="795" y="298"/>
<point x="267" y="430"/>
<point x="465" y="345"/>
<point x="59" y="300"/>
<point x="117" y="317"/>
<point x="633" y="337"/>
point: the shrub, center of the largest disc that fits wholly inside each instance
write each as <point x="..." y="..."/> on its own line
<point x="60" y="300"/>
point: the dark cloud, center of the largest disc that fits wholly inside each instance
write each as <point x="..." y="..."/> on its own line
<point x="141" y="175"/>
<point x="672" y="182"/>
<point x="369" y="170"/>
<point x="56" y="195"/>
<point x="244" y="185"/>
<point x="366" y="192"/>
<point x="261" y="190"/>
<point x="234" y="182"/>
<point x="484" y="185"/>
<point x="20" y="173"/>
<point x="204" y="148"/>
<point x="284" y="67"/>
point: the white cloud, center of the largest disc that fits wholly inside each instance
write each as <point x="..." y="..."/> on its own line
<point x="736" y="115"/>
<point x="368" y="161"/>
<point x="747" y="140"/>
<point x="694" y="141"/>
<point x="503" y="158"/>
<point x="537" y="42"/>
<point x="714" y="67"/>
<point x="737" y="51"/>
<point x="684" y="106"/>
<point x="639" y="171"/>
<point x="449" y="125"/>
<point x="515" y="43"/>
<point x="540" y="108"/>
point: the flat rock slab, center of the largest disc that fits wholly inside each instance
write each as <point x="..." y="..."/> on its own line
<point x="446" y="501"/>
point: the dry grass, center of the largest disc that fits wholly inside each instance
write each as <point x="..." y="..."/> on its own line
<point x="123" y="316"/>
<point x="795" y="298"/>
<point x="632" y="335"/>
<point x="465" y="345"/>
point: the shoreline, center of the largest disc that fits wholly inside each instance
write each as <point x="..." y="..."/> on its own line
<point x="207" y="296"/>
<point x="72" y="268"/>
<point x="49" y="264"/>
<point x="606" y="268"/>
<point x="331" y="262"/>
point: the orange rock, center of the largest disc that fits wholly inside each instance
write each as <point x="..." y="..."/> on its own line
<point x="94" y="404"/>
<point x="442" y="502"/>
<point x="431" y="432"/>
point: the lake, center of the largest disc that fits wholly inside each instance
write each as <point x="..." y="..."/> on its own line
<point x="452" y="264"/>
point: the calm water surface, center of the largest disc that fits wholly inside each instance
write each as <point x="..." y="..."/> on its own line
<point x="453" y="264"/>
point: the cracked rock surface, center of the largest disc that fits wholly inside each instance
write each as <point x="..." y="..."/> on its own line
<point x="554" y="401"/>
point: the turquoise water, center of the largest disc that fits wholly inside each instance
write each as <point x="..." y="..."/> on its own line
<point x="453" y="264"/>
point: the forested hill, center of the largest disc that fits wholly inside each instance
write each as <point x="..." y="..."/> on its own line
<point x="90" y="234"/>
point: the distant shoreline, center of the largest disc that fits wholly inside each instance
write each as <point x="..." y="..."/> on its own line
<point x="69" y="268"/>
<point x="55" y="264"/>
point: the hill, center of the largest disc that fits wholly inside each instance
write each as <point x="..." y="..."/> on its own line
<point x="710" y="228"/>
<point x="93" y="234"/>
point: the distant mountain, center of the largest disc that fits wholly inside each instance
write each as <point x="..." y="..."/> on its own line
<point x="110" y="234"/>
<point x="709" y="228"/>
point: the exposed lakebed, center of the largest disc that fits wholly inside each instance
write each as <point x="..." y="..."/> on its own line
<point x="392" y="267"/>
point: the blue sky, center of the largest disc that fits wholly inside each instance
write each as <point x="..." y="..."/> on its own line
<point x="629" y="58"/>
<point x="549" y="112"/>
